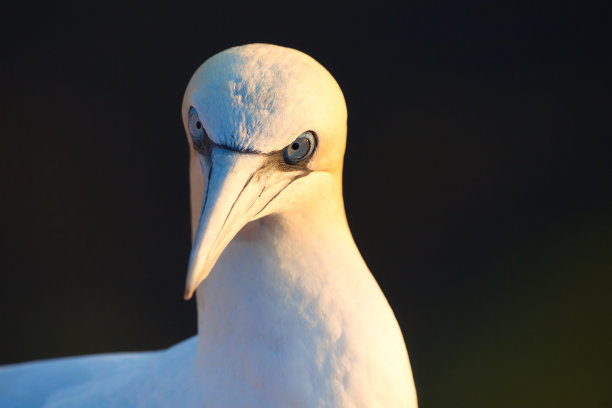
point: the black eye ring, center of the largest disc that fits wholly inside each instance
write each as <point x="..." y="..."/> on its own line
<point x="301" y="148"/>
<point x="196" y="130"/>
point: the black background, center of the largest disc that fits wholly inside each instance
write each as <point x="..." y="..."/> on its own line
<point x="477" y="180"/>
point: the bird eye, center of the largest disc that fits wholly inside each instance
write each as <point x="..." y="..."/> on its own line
<point x="301" y="148"/>
<point x="196" y="129"/>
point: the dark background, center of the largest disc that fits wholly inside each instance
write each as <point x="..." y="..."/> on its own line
<point x="477" y="180"/>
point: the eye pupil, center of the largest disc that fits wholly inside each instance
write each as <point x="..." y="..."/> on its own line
<point x="295" y="145"/>
<point x="199" y="125"/>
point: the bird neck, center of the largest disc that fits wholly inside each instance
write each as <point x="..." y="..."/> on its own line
<point x="272" y="270"/>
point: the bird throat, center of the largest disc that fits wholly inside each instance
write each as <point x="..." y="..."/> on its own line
<point x="271" y="282"/>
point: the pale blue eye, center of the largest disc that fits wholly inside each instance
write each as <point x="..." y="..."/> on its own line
<point x="300" y="149"/>
<point x="196" y="129"/>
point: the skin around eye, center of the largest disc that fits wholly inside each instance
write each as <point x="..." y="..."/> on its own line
<point x="300" y="149"/>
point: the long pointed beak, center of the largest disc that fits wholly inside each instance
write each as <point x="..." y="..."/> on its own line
<point x="231" y="191"/>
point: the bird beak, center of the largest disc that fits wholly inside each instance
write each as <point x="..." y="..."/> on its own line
<point x="233" y="196"/>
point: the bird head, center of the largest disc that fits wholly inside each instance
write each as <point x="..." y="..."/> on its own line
<point x="266" y="127"/>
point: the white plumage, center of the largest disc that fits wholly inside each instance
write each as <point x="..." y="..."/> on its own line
<point x="288" y="313"/>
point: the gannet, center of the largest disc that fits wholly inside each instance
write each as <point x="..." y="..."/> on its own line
<point x="289" y="314"/>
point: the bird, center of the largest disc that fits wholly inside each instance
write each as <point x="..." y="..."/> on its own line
<point x="289" y="314"/>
